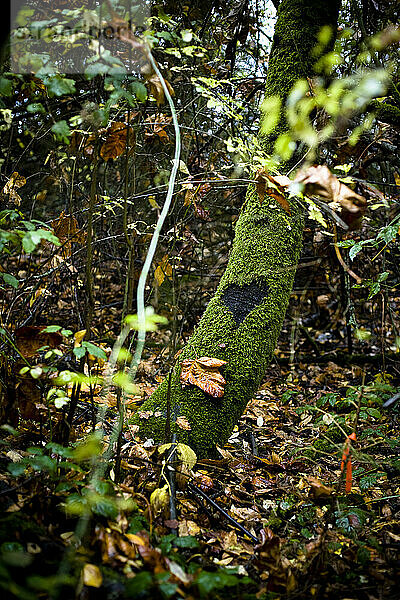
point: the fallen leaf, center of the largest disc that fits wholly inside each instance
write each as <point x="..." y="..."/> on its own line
<point x="16" y="181"/>
<point x="183" y="423"/>
<point x="177" y="571"/>
<point x="187" y="455"/>
<point x="204" y="373"/>
<point x="155" y="127"/>
<point x="136" y="539"/>
<point x="187" y="527"/>
<point x="92" y="576"/>
<point x="30" y="338"/>
<point x="318" y="490"/>
<point x="159" y="499"/>
<point x="201" y="212"/>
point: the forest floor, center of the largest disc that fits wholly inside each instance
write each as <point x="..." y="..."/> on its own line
<point x="279" y="515"/>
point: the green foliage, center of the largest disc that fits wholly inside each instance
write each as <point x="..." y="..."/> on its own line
<point x="59" y="85"/>
<point x="61" y="131"/>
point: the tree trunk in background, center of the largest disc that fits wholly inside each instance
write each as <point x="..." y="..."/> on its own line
<point x="242" y="322"/>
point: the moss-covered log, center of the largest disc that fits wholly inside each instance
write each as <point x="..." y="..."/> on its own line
<point x="242" y="322"/>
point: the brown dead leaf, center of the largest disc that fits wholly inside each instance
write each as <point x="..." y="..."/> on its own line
<point x="183" y="423"/>
<point x="187" y="527"/>
<point x="82" y="142"/>
<point x="30" y="338"/>
<point x="155" y="127"/>
<point x="204" y="373"/>
<point x="116" y="140"/>
<point x="318" y="490"/>
<point x="156" y="89"/>
<point x="204" y="482"/>
<point x="276" y="190"/>
<point x="319" y="181"/>
<point x="10" y="189"/>
<point x="67" y="230"/>
<point x="269" y="559"/>
<point x="201" y="212"/>
<point x="28" y="397"/>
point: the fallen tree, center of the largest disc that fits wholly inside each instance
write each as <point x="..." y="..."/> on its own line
<point x="241" y="324"/>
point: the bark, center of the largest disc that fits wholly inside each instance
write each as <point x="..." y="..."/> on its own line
<point x="243" y="321"/>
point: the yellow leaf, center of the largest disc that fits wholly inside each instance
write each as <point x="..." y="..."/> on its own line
<point x="16" y="181"/>
<point x="136" y="539"/>
<point x="163" y="270"/>
<point x="159" y="499"/>
<point x="153" y="202"/>
<point x="187" y="455"/>
<point x="92" y="576"/>
<point x="78" y="337"/>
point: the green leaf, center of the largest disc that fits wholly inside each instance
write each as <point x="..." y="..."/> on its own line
<point x="35" y="107"/>
<point x="96" y="69"/>
<point x="60" y="402"/>
<point x="79" y="352"/>
<point x="90" y="448"/>
<point x="32" y="239"/>
<point x="187" y="35"/>
<point x="125" y="383"/>
<point x="270" y="110"/>
<point x="373" y="290"/>
<point x="62" y="131"/>
<point x="59" y="86"/>
<point x="151" y="320"/>
<point x="139" y="584"/>
<point x="389" y="233"/>
<point x="59" y="449"/>
<point x="95" y="350"/>
<point x="356" y="248"/>
<point x="285" y="146"/>
<point x="382" y="276"/>
<point x="17" y="468"/>
<point x="188" y="541"/>
<point x="5" y="87"/>
<point x="139" y="90"/>
<point x="374" y="412"/>
<point x="52" y="328"/>
<point x="10" y="280"/>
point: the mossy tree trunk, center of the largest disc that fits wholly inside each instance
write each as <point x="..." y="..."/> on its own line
<point x="242" y="322"/>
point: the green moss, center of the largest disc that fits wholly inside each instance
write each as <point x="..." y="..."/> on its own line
<point x="386" y="113"/>
<point x="293" y="50"/>
<point x="266" y="250"/>
<point x="334" y="433"/>
<point x="242" y="322"/>
<point x="323" y="446"/>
